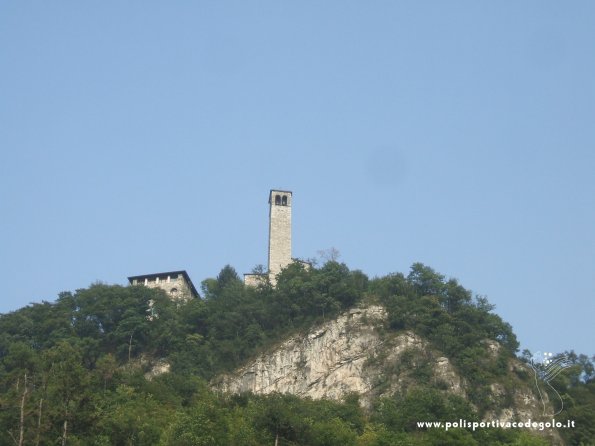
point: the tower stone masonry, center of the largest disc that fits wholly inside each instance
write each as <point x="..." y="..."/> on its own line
<point x="279" y="237"/>
<point x="279" y="231"/>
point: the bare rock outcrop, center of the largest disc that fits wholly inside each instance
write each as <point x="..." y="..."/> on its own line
<point x="343" y="356"/>
<point x="327" y="362"/>
<point x="355" y="353"/>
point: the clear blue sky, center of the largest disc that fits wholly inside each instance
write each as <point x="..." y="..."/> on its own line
<point x="142" y="136"/>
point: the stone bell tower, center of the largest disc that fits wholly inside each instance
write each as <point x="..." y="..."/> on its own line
<point x="279" y="231"/>
<point x="279" y="237"/>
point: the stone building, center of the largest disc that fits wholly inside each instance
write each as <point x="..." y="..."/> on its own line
<point x="176" y="284"/>
<point x="279" y="236"/>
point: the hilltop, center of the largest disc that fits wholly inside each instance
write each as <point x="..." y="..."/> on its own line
<point x="329" y="357"/>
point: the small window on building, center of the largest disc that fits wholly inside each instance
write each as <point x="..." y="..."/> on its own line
<point x="173" y="292"/>
<point x="277" y="200"/>
<point x="284" y="201"/>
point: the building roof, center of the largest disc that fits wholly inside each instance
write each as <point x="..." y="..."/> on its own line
<point x="168" y="273"/>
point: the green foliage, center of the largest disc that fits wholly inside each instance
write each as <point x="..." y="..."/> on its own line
<point x="402" y="412"/>
<point x="444" y="312"/>
<point x="74" y="370"/>
<point x="130" y="416"/>
<point x="576" y="385"/>
<point x="235" y="322"/>
<point x="203" y="425"/>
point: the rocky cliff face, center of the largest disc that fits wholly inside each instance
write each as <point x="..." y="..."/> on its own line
<point x="328" y="362"/>
<point x="356" y="354"/>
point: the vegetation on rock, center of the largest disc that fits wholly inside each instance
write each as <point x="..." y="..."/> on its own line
<point x="74" y="372"/>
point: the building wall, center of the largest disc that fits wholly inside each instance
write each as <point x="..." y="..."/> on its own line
<point x="175" y="287"/>
<point x="279" y="232"/>
<point x="254" y="279"/>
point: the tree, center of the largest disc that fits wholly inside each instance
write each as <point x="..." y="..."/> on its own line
<point x="425" y="280"/>
<point x="329" y="255"/>
<point x="203" y="425"/>
<point x="67" y="384"/>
